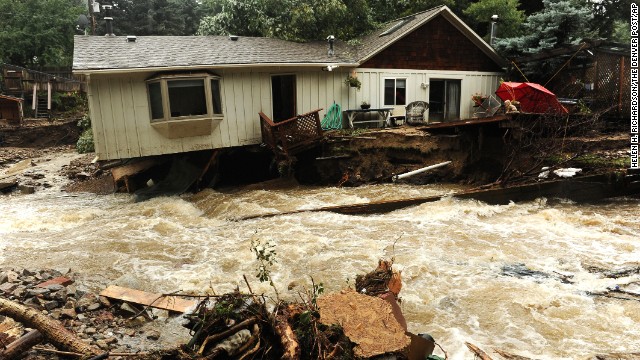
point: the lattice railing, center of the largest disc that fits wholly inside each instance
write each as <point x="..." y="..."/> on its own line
<point x="603" y="83"/>
<point x="292" y="135"/>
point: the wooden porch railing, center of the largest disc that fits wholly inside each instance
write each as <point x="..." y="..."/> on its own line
<point x="291" y="136"/>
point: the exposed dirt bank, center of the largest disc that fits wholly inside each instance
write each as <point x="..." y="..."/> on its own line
<point x="478" y="155"/>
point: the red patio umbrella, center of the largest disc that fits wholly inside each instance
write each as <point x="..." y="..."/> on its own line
<point x="533" y="98"/>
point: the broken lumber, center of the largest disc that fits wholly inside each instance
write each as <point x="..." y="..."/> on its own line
<point x="159" y="301"/>
<point x="22" y="345"/>
<point x="51" y="329"/>
<point x="288" y="338"/>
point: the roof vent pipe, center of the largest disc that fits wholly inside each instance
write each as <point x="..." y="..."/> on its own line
<point x="108" y="19"/>
<point x="330" y="40"/>
<point x="494" y="30"/>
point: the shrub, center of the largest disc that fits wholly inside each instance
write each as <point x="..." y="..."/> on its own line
<point x="85" y="142"/>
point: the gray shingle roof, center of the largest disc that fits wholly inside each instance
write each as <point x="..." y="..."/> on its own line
<point x="99" y="52"/>
<point x="115" y="53"/>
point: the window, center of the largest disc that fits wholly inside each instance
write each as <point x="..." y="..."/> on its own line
<point x="183" y="97"/>
<point x="395" y="92"/>
<point x="155" y="100"/>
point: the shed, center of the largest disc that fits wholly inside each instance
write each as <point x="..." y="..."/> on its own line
<point x="11" y="109"/>
<point x="151" y="95"/>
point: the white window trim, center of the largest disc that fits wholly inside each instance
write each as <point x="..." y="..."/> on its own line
<point x="164" y="90"/>
<point x="406" y="89"/>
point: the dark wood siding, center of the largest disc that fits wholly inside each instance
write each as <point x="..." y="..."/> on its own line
<point x="436" y="45"/>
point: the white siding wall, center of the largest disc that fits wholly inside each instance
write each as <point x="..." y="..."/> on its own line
<point x="121" y="119"/>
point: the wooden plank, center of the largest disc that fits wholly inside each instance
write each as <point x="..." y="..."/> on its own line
<point x="159" y="301"/>
<point x="131" y="169"/>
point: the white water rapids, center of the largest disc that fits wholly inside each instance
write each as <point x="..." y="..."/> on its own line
<point x="452" y="254"/>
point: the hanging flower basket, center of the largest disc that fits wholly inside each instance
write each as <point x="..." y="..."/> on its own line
<point x="353" y="81"/>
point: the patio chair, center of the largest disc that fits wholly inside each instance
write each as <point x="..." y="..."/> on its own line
<point x="415" y="112"/>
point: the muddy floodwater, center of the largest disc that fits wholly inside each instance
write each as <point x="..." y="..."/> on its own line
<point x="490" y="275"/>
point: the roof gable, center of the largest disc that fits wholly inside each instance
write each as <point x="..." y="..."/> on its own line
<point x="378" y="41"/>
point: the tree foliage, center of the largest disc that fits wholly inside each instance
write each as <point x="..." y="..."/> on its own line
<point x="153" y="17"/>
<point x="561" y="22"/>
<point x="609" y="17"/>
<point x="38" y="33"/>
<point x="510" y="17"/>
<point x="296" y="20"/>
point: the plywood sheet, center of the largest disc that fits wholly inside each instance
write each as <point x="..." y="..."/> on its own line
<point x="171" y="303"/>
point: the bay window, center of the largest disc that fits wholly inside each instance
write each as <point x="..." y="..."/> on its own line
<point x="184" y="104"/>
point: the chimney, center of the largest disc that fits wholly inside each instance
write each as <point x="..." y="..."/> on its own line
<point x="108" y="20"/>
<point x="331" y="39"/>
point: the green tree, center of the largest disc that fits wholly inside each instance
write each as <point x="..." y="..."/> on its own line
<point x="154" y="17"/>
<point x="386" y="10"/>
<point x="298" y="20"/>
<point x="561" y="22"/>
<point x="38" y="33"/>
<point x="610" y="16"/>
<point x="510" y="18"/>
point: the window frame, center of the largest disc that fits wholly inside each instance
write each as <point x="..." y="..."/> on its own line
<point x="395" y="86"/>
<point x="164" y="79"/>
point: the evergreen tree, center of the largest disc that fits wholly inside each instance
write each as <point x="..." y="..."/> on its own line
<point x="561" y="22"/>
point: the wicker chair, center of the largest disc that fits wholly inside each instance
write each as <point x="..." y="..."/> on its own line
<point x="415" y="112"/>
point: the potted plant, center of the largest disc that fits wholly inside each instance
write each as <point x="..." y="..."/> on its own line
<point x="353" y="81"/>
<point x="365" y="105"/>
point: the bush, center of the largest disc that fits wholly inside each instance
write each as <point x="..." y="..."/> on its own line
<point x="85" y="142"/>
<point x="68" y="101"/>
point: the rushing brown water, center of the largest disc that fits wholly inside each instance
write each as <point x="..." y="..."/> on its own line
<point x="464" y="263"/>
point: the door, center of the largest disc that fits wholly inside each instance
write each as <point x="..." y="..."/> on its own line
<point x="444" y="100"/>
<point x="283" y="95"/>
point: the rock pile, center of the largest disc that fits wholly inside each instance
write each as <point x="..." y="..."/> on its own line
<point x="96" y="320"/>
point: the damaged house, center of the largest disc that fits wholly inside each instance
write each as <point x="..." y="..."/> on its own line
<point x="157" y="95"/>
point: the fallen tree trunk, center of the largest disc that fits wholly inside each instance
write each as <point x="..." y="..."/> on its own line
<point x="51" y="329"/>
<point x="21" y="346"/>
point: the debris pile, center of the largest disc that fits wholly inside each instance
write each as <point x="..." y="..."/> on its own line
<point x="72" y="321"/>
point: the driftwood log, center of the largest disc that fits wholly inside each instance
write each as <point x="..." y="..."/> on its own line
<point x="51" y="329"/>
<point x="22" y="345"/>
<point x="478" y="352"/>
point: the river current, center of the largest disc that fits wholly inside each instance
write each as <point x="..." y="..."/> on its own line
<point x="489" y="275"/>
